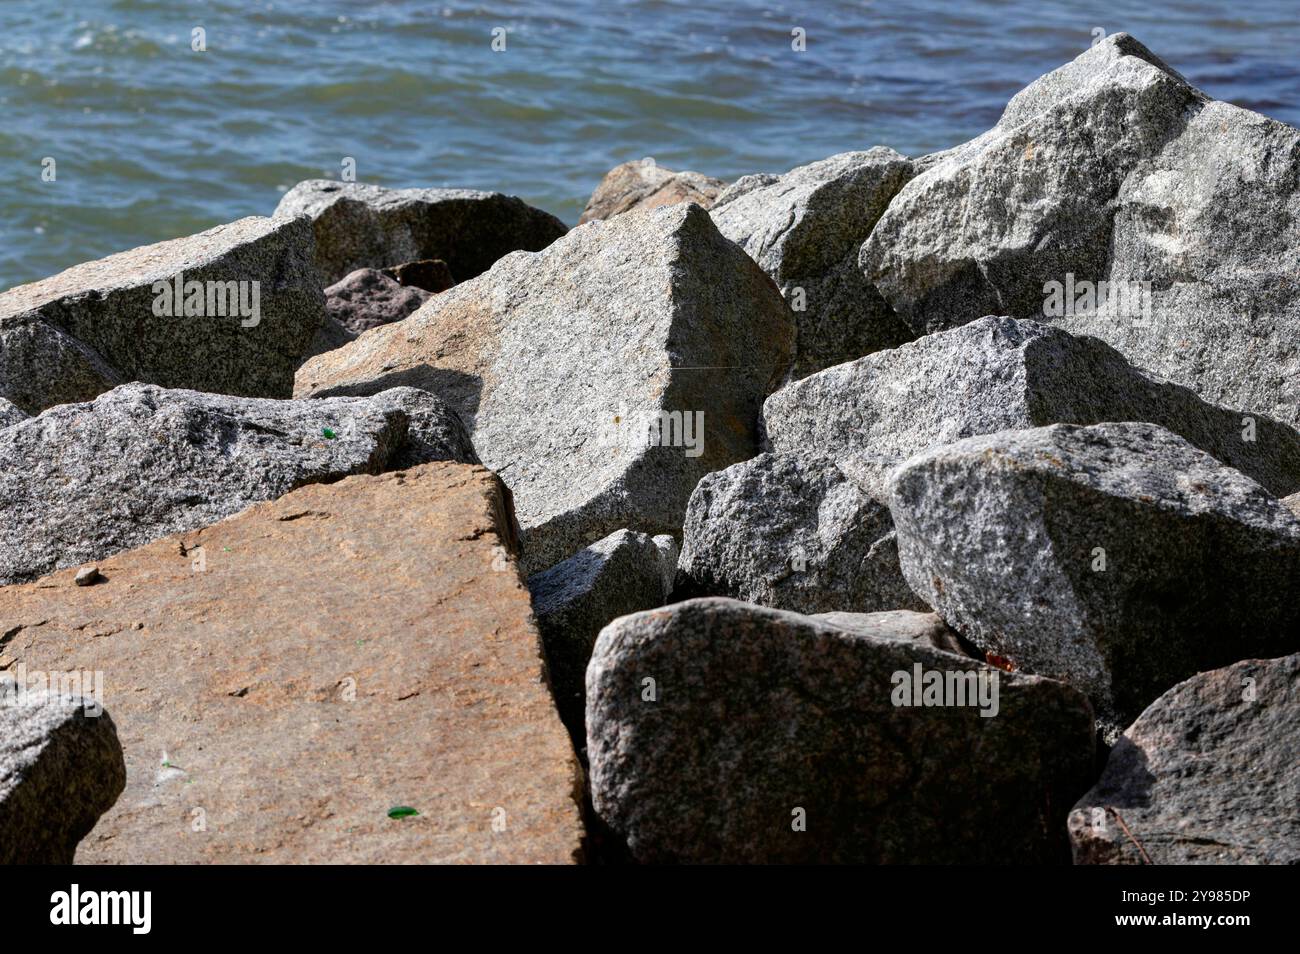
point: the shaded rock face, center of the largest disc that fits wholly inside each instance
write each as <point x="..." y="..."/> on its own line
<point x="82" y="481"/>
<point x="601" y="378"/>
<point x="430" y="274"/>
<point x="1114" y="169"/>
<point x="239" y="330"/>
<point x="41" y="366"/>
<point x="368" y="226"/>
<point x="1117" y="557"/>
<point x="996" y="374"/>
<point x="642" y="184"/>
<point x="10" y="413"/>
<point x="61" y="768"/>
<point x="288" y="689"/>
<point x="368" y="298"/>
<point x="1209" y="774"/>
<point x="765" y="736"/>
<point x="791" y="532"/>
<point x="330" y="335"/>
<point x="804" y="229"/>
<point x="573" y="600"/>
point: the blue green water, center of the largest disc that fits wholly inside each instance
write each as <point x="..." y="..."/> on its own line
<point x="152" y="139"/>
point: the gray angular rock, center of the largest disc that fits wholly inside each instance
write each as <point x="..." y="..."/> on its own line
<point x="1208" y="774"/>
<point x="643" y="184"/>
<point x="83" y="481"/>
<point x="573" y="601"/>
<point x="61" y="767"/>
<point x="600" y="378"/>
<point x="1213" y="225"/>
<point x="10" y="413"/>
<point x="791" y="532"/>
<point x="804" y="229"/>
<point x="253" y="300"/>
<point x="720" y="732"/>
<point x="996" y="374"/>
<point x="1118" y="557"/>
<point x="1293" y="502"/>
<point x="669" y="552"/>
<point x="1113" y="169"/>
<point x="981" y="231"/>
<point x="368" y="226"/>
<point x="367" y="298"/>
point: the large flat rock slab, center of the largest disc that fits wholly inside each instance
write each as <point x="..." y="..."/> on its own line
<point x="316" y="664"/>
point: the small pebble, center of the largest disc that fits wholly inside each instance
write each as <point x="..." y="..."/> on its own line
<point x="88" y="576"/>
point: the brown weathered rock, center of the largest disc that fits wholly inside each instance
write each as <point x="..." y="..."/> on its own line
<point x="317" y="664"/>
<point x="1293" y="503"/>
<point x="368" y="298"/>
<point x="641" y="184"/>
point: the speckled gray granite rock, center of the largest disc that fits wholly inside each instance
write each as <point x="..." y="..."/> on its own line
<point x="723" y="732"/>
<point x="644" y="184"/>
<point x="573" y="600"/>
<point x="981" y="231"/>
<point x="1214" y="225"/>
<point x="804" y="229"/>
<point x="83" y="481"/>
<point x="61" y="767"/>
<point x="368" y="226"/>
<point x="1293" y="502"/>
<point x="600" y="378"/>
<point x="1118" y="557"/>
<point x="1002" y="374"/>
<point x="41" y="366"/>
<point x="928" y="629"/>
<point x="11" y="413"/>
<point x="367" y="298"/>
<point x="79" y="333"/>
<point x="1114" y="169"/>
<point x="1209" y="774"/>
<point x="791" y="532"/>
